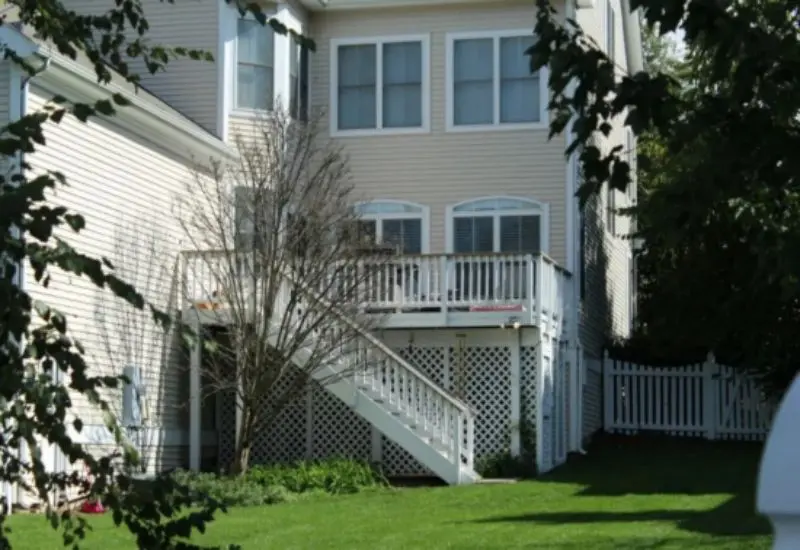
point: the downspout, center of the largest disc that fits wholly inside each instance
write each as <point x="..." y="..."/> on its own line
<point x="20" y="111"/>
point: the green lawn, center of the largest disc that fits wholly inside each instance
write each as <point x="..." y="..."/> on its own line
<point x="626" y="494"/>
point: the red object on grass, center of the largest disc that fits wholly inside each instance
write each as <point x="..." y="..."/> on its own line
<point x="92" y="507"/>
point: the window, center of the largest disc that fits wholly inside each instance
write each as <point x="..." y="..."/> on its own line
<point x="380" y="84"/>
<point x="611" y="209"/>
<point x="630" y="148"/>
<point x="298" y="81"/>
<point x="255" y="62"/>
<point x="634" y="291"/>
<point x="490" y="82"/>
<point x="497" y="225"/>
<point x="611" y="27"/>
<point x="394" y="223"/>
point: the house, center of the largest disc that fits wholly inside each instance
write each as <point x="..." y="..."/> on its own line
<point x="452" y="150"/>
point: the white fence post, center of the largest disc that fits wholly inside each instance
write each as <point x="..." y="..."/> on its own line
<point x="606" y="365"/>
<point x="779" y="481"/>
<point x="710" y="396"/>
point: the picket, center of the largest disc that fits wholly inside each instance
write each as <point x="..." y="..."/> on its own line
<point x="706" y="399"/>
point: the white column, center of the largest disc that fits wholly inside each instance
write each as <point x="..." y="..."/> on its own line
<point x="194" y="400"/>
<point x="779" y="480"/>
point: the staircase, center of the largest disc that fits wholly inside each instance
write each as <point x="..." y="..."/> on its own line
<point x="407" y="407"/>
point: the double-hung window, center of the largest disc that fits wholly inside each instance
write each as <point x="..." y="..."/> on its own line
<point x="380" y="84"/>
<point x="489" y="81"/>
<point x="255" y="66"/>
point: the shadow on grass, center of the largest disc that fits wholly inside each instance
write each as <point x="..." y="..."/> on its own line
<point x="645" y="465"/>
<point x="618" y="466"/>
<point x="733" y="518"/>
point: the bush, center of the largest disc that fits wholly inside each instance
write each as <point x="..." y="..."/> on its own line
<point x="334" y="476"/>
<point x="233" y="491"/>
<point x="263" y="485"/>
<point x="504" y="465"/>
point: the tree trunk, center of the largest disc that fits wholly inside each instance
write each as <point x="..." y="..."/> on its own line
<point x="241" y="458"/>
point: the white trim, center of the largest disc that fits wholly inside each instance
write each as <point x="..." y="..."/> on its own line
<point x="242" y="112"/>
<point x="378" y="42"/>
<point x="424" y="215"/>
<point x="537" y="209"/>
<point x="226" y="67"/>
<point x="496" y="35"/>
<point x="99" y="434"/>
<point x="146" y="115"/>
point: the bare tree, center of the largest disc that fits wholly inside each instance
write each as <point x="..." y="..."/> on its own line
<point x="281" y="262"/>
<point x="134" y="346"/>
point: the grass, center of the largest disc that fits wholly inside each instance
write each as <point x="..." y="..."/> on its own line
<point x="627" y="493"/>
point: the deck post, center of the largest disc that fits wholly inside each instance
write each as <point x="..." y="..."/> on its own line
<point x="195" y="359"/>
<point x="516" y="443"/>
<point x="778" y="479"/>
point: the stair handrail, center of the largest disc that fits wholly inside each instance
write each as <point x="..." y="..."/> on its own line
<point x="343" y="317"/>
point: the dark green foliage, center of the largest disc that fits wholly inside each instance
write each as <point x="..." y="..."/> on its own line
<point x="721" y="226"/>
<point x="263" y="485"/>
<point x="335" y="476"/>
<point x="35" y="341"/>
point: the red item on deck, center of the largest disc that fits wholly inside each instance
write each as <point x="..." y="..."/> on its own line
<point x="92" y="507"/>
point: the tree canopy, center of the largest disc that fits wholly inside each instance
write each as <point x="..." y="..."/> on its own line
<point x="722" y="227"/>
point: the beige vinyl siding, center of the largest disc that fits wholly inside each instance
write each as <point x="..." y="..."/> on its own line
<point x="125" y="189"/>
<point x="439" y="168"/>
<point x="606" y="304"/>
<point x="187" y="85"/>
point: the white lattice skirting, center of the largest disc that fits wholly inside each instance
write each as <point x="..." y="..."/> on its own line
<point x="475" y="365"/>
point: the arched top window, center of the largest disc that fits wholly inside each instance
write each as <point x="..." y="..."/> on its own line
<point x="388" y="207"/>
<point x="498" y="224"/>
<point x="497" y="203"/>
<point x="395" y="223"/>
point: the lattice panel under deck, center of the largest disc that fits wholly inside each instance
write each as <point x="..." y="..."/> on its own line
<point x="487" y="388"/>
<point x="527" y="360"/>
<point x="430" y="361"/>
<point x="283" y="440"/>
<point x="337" y="430"/>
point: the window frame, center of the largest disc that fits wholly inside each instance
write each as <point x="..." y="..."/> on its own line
<point x="611" y="209"/>
<point x="378" y="42"/>
<point x="496" y="125"/>
<point x="536" y="208"/>
<point x="630" y="145"/>
<point x="422" y="213"/>
<point x="611" y="31"/>
<point x="236" y="110"/>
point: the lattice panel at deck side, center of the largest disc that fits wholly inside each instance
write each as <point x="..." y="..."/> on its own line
<point x="482" y="377"/>
<point x="528" y="401"/>
<point x="431" y="362"/>
<point x="337" y="431"/>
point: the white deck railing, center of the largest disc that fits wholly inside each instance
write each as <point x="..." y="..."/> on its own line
<point x="435" y="282"/>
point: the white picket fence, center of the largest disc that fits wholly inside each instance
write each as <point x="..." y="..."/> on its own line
<point x="706" y="399"/>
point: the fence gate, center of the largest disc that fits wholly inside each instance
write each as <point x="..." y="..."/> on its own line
<point x="705" y="399"/>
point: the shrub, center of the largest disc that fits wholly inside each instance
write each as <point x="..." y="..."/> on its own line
<point x="504" y="465"/>
<point x="333" y="476"/>
<point x="263" y="485"/>
<point x="233" y="491"/>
